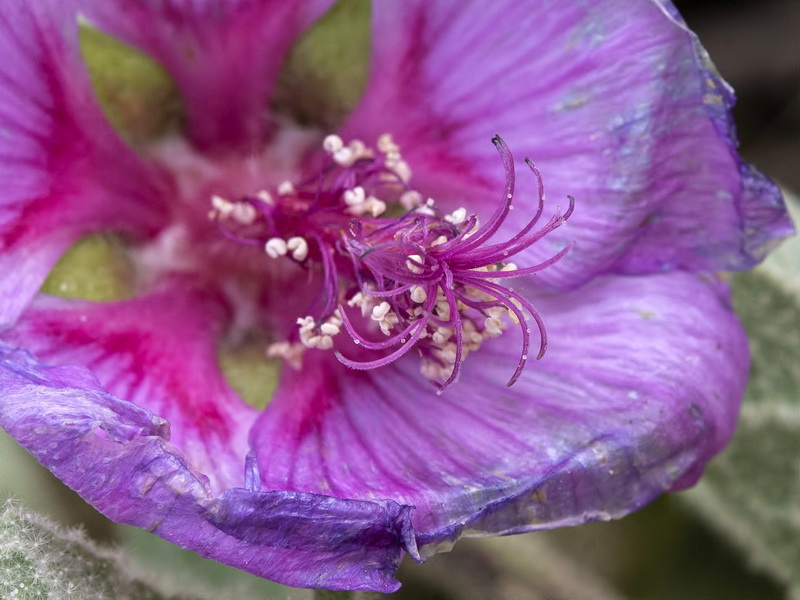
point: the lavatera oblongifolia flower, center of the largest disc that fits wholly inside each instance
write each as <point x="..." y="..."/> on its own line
<point x="458" y="355"/>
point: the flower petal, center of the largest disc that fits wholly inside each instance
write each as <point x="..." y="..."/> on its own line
<point x="225" y="56"/>
<point x="64" y="171"/>
<point x="117" y="456"/>
<point x="639" y="388"/>
<point x="160" y="353"/>
<point x="614" y="102"/>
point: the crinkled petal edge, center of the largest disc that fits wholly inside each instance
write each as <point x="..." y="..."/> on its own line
<point x="763" y="211"/>
<point x="118" y="458"/>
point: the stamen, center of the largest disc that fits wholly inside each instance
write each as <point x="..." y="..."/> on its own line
<point x="414" y="263"/>
<point x="380" y="311"/>
<point x="291" y="353"/>
<point x="332" y="144"/>
<point x="410" y="199"/>
<point x="329" y="329"/>
<point x="457" y="216"/>
<point x="354" y="197"/>
<point x="446" y="255"/>
<point x="298" y="246"/>
<point x="222" y="206"/>
<point x="286" y="188"/>
<point x="266" y="198"/>
<point x="418" y="294"/>
<point x="426" y="280"/>
<point x="276" y="247"/>
<point x="244" y="213"/>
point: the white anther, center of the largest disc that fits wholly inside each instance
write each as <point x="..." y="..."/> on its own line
<point x="344" y="157"/>
<point x="494" y="327"/>
<point x="457" y="217"/>
<point x="374" y="206"/>
<point x="221" y="205"/>
<point x="439" y="241"/>
<point x="433" y="370"/>
<point x="244" y="213"/>
<point x="403" y="170"/>
<point x="354" y="197"/>
<point x="306" y="324"/>
<point x="359" y="149"/>
<point x="410" y="199"/>
<point x="443" y="309"/>
<point x="329" y="328"/>
<point x="472" y="337"/>
<point x="275" y="247"/>
<point x="266" y="197"/>
<point x="362" y="300"/>
<point x="278" y="349"/>
<point x="418" y="294"/>
<point x="380" y="311"/>
<point x="416" y="312"/>
<point x="393" y="156"/>
<point x="332" y="143"/>
<point x="356" y="300"/>
<point x="298" y="246"/>
<point x="324" y="342"/>
<point x="336" y="318"/>
<point x="286" y="188"/>
<point x="472" y="231"/>
<point x="427" y="208"/>
<point x="310" y="341"/>
<point x="388" y="322"/>
<point x="386" y="143"/>
<point x="441" y="335"/>
<point x="291" y="353"/>
<point x="509" y="267"/>
<point x="497" y="312"/>
<point x="447" y="353"/>
<point x="414" y="263"/>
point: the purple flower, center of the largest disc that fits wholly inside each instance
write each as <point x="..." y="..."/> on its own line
<point x="327" y="249"/>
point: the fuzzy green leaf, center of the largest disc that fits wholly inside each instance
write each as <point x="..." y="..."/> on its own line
<point x="751" y="492"/>
<point x="39" y="560"/>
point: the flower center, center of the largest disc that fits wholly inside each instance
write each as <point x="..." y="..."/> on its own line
<point x="396" y="272"/>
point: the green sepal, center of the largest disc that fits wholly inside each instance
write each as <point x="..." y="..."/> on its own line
<point x="325" y="72"/>
<point x="136" y="93"/>
<point x="95" y="268"/>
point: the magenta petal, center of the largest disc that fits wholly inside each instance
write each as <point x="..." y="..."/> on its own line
<point x="224" y="55"/>
<point x="160" y="353"/>
<point x="64" y="171"/>
<point x="613" y="101"/>
<point x="640" y="386"/>
<point x="119" y="458"/>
